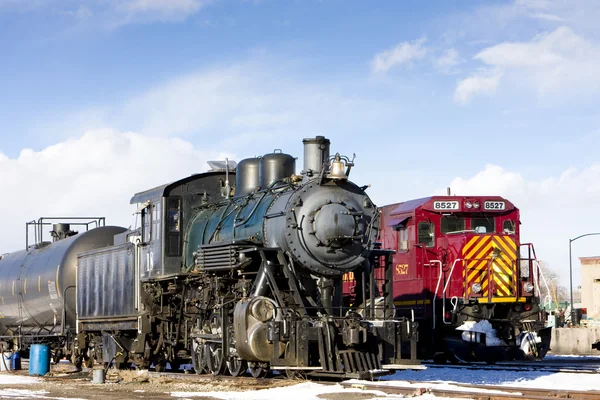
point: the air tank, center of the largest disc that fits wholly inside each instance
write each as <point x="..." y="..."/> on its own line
<point x="316" y="152"/>
<point x="274" y="167"/>
<point x="246" y="176"/>
<point x="35" y="284"/>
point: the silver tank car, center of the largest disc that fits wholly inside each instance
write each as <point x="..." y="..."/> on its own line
<point x="37" y="284"/>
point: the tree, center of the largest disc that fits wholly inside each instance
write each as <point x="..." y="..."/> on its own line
<point x="550" y="289"/>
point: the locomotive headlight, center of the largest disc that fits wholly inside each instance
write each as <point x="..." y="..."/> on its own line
<point x="476" y="288"/>
<point x="528" y="287"/>
<point x="476" y="205"/>
<point x="468" y="205"/>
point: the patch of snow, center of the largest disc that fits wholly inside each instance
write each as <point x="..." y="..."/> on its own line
<point x="530" y="379"/>
<point x="30" y="394"/>
<point x="568" y="356"/>
<point x="560" y="380"/>
<point x="11" y="379"/>
<point x="431" y="385"/>
<point x="472" y="333"/>
<point x="305" y="391"/>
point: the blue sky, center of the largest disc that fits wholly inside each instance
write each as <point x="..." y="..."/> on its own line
<point x="491" y="97"/>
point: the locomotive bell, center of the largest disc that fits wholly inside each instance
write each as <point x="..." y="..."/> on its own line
<point x="337" y="170"/>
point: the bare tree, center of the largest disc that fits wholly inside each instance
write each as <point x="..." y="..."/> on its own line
<point x="550" y="285"/>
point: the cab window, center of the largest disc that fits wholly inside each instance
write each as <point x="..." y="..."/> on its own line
<point x="426" y="235"/>
<point x="508" y="226"/>
<point x="147" y="220"/>
<point x="452" y="224"/>
<point x="483" y="225"/>
<point x="403" y="239"/>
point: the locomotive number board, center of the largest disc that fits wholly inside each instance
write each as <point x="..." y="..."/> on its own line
<point x="494" y="205"/>
<point x="446" y="205"/>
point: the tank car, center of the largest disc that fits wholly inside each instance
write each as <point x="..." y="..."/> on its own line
<point x="462" y="270"/>
<point x="37" y="284"/>
<point x="247" y="276"/>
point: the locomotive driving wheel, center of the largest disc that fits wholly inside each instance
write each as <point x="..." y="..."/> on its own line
<point x="213" y="352"/>
<point x="214" y="358"/>
<point x="236" y="366"/>
<point x="258" y="370"/>
<point x="198" y="358"/>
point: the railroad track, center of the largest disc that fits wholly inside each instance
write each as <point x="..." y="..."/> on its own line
<point x="480" y="392"/>
<point x="570" y="368"/>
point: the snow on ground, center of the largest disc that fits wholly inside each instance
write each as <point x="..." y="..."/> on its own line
<point x="531" y="379"/>
<point x="30" y="394"/>
<point x="572" y="358"/>
<point x="304" y="391"/>
<point x="11" y="379"/>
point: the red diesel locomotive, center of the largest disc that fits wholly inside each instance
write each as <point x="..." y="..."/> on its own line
<point x="461" y="271"/>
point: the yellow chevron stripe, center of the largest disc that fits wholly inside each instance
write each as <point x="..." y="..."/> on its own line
<point x="478" y="269"/>
<point x="504" y="246"/>
<point x="477" y="248"/>
<point x="470" y="243"/>
<point x="511" y="242"/>
<point x="501" y="284"/>
<point x="502" y="266"/>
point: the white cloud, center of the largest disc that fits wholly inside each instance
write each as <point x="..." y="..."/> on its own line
<point x="484" y="82"/>
<point x="400" y="54"/>
<point x="449" y="59"/>
<point x="547" y="17"/>
<point x="553" y="208"/>
<point x="111" y="13"/>
<point x="156" y="10"/>
<point x="534" y="4"/>
<point x="94" y="174"/>
<point x="247" y="103"/>
<point x="559" y="63"/>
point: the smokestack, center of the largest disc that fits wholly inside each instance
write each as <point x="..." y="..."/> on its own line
<point x="316" y="152"/>
<point x="448" y="190"/>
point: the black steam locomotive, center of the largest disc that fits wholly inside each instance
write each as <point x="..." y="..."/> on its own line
<point x="229" y="278"/>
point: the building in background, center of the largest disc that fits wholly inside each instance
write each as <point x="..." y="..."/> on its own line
<point x="590" y="285"/>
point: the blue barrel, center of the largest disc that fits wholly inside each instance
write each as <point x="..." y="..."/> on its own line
<point x="39" y="359"/>
<point x="15" y="361"/>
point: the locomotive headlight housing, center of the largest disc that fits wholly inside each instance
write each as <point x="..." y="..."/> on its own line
<point x="468" y="205"/>
<point x="476" y="205"/>
<point x="476" y="288"/>
<point x="528" y="287"/>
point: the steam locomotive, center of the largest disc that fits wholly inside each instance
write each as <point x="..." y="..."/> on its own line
<point x="229" y="278"/>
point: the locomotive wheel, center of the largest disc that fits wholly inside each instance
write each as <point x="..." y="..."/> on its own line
<point x="236" y="366"/>
<point x="198" y="359"/>
<point x="295" y="374"/>
<point x="258" y="371"/>
<point x="214" y="358"/>
<point x="160" y="366"/>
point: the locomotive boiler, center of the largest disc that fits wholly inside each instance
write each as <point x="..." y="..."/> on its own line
<point x="240" y="269"/>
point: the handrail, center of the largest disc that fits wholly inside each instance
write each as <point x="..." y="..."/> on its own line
<point x="436" y="288"/>
<point x="443" y="291"/>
